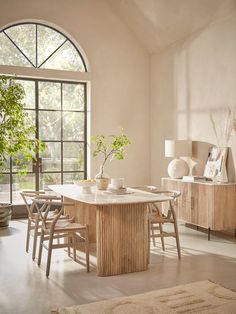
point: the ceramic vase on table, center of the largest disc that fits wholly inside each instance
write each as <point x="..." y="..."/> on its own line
<point x="102" y="179"/>
<point x="221" y="175"/>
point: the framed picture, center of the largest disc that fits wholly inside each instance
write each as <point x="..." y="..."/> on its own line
<point x="216" y="161"/>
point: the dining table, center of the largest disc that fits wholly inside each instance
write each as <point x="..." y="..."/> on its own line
<point x="118" y="225"/>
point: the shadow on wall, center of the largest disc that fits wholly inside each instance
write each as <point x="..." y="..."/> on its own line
<point x="200" y="151"/>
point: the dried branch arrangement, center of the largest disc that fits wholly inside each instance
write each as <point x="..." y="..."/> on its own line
<point x="224" y="128"/>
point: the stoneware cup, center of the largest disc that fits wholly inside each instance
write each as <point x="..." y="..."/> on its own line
<point x="117" y="183"/>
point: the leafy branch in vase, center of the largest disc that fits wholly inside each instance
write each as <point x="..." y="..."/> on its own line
<point x="110" y="147"/>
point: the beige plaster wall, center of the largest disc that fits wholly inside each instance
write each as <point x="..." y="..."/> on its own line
<point x="188" y="81"/>
<point x="119" y="72"/>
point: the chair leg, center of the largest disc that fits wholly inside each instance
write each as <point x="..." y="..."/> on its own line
<point x="49" y="255"/>
<point x="177" y="240"/>
<point x="36" y="227"/>
<point x="149" y="242"/>
<point x="68" y="245"/>
<point x="176" y="230"/>
<point x="28" y="235"/>
<point x="87" y="248"/>
<point x="74" y="246"/>
<point x="153" y="235"/>
<point x="162" y="238"/>
<point x="40" y="247"/>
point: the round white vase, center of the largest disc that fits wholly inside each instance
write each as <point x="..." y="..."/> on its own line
<point x="178" y="168"/>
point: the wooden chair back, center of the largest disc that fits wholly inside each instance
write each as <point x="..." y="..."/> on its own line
<point x="28" y="197"/>
<point x="43" y="207"/>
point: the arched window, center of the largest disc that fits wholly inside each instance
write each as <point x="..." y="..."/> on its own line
<point x="39" y="46"/>
<point x="57" y="107"/>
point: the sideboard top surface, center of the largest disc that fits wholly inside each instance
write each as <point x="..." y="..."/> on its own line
<point x="212" y="183"/>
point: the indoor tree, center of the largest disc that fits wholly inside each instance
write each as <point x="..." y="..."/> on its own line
<point x="17" y="134"/>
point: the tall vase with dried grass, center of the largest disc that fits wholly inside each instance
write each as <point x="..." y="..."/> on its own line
<point x="223" y="130"/>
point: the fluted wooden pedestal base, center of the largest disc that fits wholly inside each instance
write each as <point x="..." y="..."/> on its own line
<point x="121" y="233"/>
<point x="122" y="239"/>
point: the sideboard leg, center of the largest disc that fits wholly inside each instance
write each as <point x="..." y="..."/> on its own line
<point x="209" y="234"/>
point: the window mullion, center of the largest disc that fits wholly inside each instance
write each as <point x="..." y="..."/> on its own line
<point x="62" y="158"/>
<point x="37" y="175"/>
<point x="36" y="41"/>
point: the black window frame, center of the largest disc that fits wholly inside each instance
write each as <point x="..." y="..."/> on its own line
<point x="36" y="40"/>
<point x="37" y="173"/>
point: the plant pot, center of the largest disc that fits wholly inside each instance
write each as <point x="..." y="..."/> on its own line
<point x="5" y="214"/>
<point x="102" y="179"/>
<point x="102" y="183"/>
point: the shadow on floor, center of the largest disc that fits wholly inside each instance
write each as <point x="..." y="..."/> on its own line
<point x="9" y="231"/>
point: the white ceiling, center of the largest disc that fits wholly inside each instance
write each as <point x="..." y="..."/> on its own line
<point x="159" y="23"/>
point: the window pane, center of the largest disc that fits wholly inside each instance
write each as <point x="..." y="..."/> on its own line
<point x="48" y="41"/>
<point x="25" y="182"/>
<point x="73" y="154"/>
<point x="66" y="58"/>
<point x="73" y="126"/>
<point x="5" y="188"/>
<point x="51" y="159"/>
<point x="49" y="125"/>
<point x="49" y="95"/>
<point x="10" y="55"/>
<point x="47" y="179"/>
<point x="69" y="178"/>
<point x="24" y="36"/>
<point x="29" y="88"/>
<point x="73" y="96"/>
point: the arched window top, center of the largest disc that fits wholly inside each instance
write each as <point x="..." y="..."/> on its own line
<point x="39" y="46"/>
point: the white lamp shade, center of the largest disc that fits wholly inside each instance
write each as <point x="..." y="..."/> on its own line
<point x="178" y="148"/>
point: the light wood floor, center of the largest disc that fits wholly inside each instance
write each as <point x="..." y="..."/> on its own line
<point x="25" y="289"/>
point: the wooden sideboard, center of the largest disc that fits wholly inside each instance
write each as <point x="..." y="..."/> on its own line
<point x="205" y="204"/>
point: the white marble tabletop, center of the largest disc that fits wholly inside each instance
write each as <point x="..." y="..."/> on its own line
<point x="97" y="197"/>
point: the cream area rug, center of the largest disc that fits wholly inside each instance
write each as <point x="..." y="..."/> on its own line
<point x="197" y="297"/>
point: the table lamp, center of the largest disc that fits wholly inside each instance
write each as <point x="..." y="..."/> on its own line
<point x="178" y="167"/>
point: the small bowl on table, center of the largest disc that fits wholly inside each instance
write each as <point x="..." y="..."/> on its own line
<point x="86" y="185"/>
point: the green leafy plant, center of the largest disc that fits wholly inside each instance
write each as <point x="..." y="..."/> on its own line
<point x="110" y="147"/>
<point x="16" y="131"/>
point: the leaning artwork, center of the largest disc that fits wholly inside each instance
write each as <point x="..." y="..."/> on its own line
<point x="216" y="161"/>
